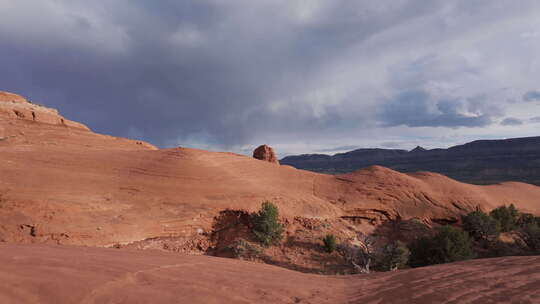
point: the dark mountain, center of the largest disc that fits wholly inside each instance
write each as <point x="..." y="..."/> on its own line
<point x="478" y="162"/>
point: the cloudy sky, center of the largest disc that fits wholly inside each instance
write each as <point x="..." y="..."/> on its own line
<point x="303" y="76"/>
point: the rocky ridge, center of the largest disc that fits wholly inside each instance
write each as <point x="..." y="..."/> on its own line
<point x="477" y="162"/>
<point x="13" y="106"/>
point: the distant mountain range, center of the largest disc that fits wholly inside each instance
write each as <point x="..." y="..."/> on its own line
<point x="477" y="162"/>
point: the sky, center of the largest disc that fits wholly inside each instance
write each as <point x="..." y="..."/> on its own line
<point x="303" y="76"/>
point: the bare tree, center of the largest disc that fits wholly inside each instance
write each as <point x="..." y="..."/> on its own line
<point x="360" y="252"/>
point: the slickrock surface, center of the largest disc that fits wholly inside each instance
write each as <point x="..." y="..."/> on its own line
<point x="63" y="274"/>
<point x="60" y="183"/>
<point x="68" y="185"/>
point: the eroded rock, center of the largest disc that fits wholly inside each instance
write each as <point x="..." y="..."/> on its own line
<point x="265" y="153"/>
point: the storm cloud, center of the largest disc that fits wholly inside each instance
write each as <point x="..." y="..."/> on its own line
<point x="511" y="121"/>
<point x="302" y="76"/>
<point x="535" y="119"/>
<point x="418" y="109"/>
<point x="531" y="96"/>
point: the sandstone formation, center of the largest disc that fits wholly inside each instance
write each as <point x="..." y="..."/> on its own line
<point x="10" y="97"/>
<point x="62" y="184"/>
<point x="13" y="106"/>
<point x="478" y="162"/>
<point x="71" y="186"/>
<point x="67" y="185"/>
<point x="64" y="274"/>
<point x="36" y="127"/>
<point x="265" y="153"/>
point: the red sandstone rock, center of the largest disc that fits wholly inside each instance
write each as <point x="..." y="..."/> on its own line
<point x="265" y="153"/>
<point x="72" y="186"/>
<point x="69" y="274"/>
<point x="15" y="106"/>
<point x="10" y="97"/>
<point x="63" y="185"/>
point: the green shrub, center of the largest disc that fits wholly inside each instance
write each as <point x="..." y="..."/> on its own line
<point x="244" y="249"/>
<point x="329" y="243"/>
<point x="530" y="237"/>
<point x="526" y="219"/>
<point x="481" y="226"/>
<point x="506" y="216"/>
<point x="266" y="225"/>
<point x="447" y="245"/>
<point x="393" y="255"/>
<point x="499" y="248"/>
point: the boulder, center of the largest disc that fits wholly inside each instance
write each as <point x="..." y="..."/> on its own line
<point x="265" y="153"/>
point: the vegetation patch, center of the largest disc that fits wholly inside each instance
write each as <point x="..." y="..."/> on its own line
<point x="243" y="249"/>
<point x="506" y="216"/>
<point x="481" y="226"/>
<point x="329" y="242"/>
<point x="448" y="245"/>
<point x="266" y="225"/>
<point x="393" y="256"/>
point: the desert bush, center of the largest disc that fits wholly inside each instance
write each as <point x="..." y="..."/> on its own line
<point x="481" y="226"/>
<point x="500" y="248"/>
<point x="526" y="219"/>
<point x="329" y="242"/>
<point x="359" y="254"/>
<point x="529" y="237"/>
<point x="266" y="225"/>
<point x="506" y="216"/>
<point x="449" y="244"/>
<point x="244" y="249"/>
<point x="393" y="255"/>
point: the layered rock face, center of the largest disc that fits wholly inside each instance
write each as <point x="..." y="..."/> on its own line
<point x="32" y="127"/>
<point x="478" y="162"/>
<point x="13" y="106"/>
<point x="265" y="153"/>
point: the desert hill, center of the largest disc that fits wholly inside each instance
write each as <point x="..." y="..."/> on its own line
<point x="477" y="162"/>
<point x="64" y="184"/>
<point x="64" y="274"/>
<point x="60" y="183"/>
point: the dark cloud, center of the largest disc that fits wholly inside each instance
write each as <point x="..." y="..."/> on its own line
<point x="228" y="74"/>
<point x="185" y="71"/>
<point x="531" y="96"/>
<point x="511" y="121"/>
<point x="535" y="119"/>
<point x="419" y="109"/>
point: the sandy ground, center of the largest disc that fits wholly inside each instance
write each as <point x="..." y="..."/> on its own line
<point x="65" y="274"/>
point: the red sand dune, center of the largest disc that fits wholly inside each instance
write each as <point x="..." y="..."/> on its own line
<point x="64" y="274"/>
